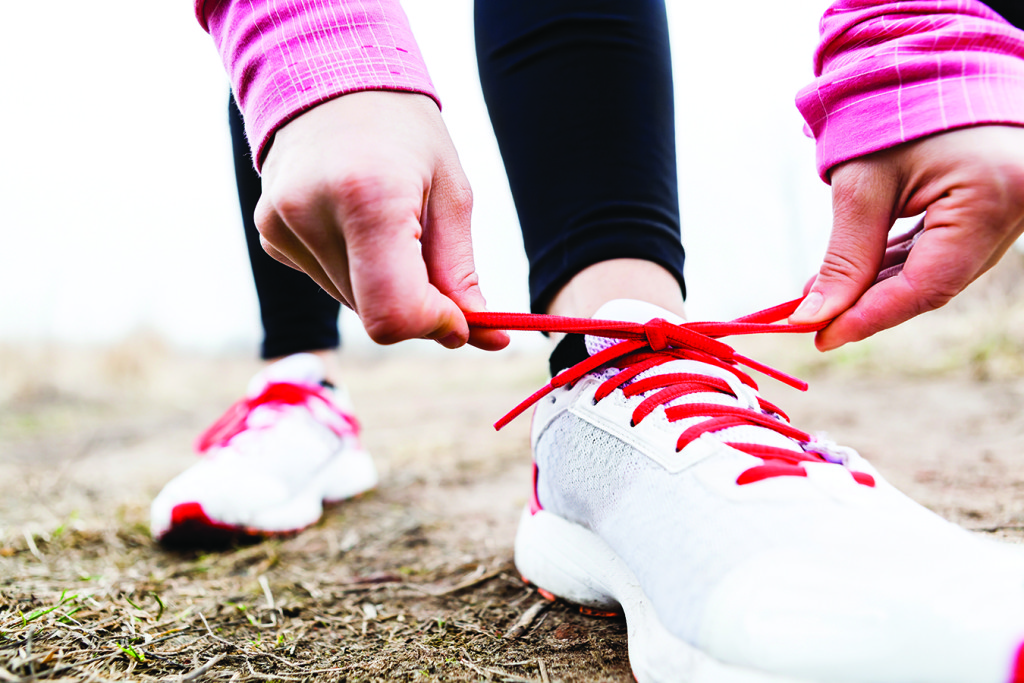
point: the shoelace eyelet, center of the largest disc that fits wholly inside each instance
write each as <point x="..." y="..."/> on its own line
<point x="658" y="342"/>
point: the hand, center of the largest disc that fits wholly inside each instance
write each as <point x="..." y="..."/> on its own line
<point x="969" y="183"/>
<point x="366" y="195"/>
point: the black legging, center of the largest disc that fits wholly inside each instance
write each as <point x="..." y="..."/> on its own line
<point x="580" y="96"/>
<point x="1011" y="10"/>
<point x="297" y="315"/>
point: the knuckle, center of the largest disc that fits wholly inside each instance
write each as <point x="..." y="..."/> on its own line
<point x="293" y="208"/>
<point x="858" y="179"/>
<point x="269" y="225"/>
<point x="930" y="296"/>
<point x="1009" y="182"/>
<point x="357" y="189"/>
<point x="838" y="266"/>
<point x="461" y="196"/>
<point x="373" y="199"/>
<point x="389" y="325"/>
<point x="462" y="284"/>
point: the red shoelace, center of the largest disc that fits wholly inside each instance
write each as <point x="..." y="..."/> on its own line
<point x="658" y="341"/>
<point x="277" y="395"/>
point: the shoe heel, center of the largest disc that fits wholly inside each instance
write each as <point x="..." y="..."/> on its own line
<point x="556" y="556"/>
<point x="347" y="475"/>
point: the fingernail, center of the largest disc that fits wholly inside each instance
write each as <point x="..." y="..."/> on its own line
<point x="452" y="341"/>
<point x="809" y="306"/>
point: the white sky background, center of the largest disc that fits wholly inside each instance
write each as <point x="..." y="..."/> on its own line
<point x="117" y="202"/>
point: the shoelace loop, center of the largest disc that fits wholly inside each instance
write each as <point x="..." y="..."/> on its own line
<point x="646" y="346"/>
<point x="278" y="395"/>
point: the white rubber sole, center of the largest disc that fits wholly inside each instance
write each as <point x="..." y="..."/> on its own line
<point x="345" y="475"/>
<point x="573" y="563"/>
<point x="348" y="475"/>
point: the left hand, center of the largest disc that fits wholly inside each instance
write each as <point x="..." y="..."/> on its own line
<point x="970" y="185"/>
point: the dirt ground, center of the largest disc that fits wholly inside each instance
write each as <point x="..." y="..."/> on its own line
<point x="414" y="581"/>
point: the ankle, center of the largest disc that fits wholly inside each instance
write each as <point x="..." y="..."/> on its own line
<point x="625" y="278"/>
<point x="329" y="357"/>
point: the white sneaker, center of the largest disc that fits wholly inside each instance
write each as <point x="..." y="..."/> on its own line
<point x="270" y="462"/>
<point x="739" y="548"/>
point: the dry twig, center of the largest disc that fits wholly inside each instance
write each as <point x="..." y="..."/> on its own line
<point x="527" y="617"/>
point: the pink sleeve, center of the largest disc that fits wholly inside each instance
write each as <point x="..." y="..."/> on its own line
<point x="890" y="72"/>
<point x="286" y="56"/>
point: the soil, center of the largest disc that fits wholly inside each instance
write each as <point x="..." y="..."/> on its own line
<point x="414" y="581"/>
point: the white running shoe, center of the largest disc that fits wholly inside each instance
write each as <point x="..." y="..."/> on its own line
<point x="739" y="548"/>
<point x="269" y="463"/>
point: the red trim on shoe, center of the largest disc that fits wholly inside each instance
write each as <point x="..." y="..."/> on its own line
<point x="1018" y="667"/>
<point x="583" y="609"/>
<point x="190" y="525"/>
<point x="867" y="480"/>
<point x="771" y="470"/>
<point x="547" y="595"/>
<point x="276" y="394"/>
<point x="535" y="505"/>
<point x="186" y="513"/>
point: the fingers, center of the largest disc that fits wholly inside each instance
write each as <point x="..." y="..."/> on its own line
<point x="897" y="251"/>
<point x="390" y="283"/>
<point x="960" y="239"/>
<point x="448" y="253"/>
<point x="276" y="255"/>
<point x="365" y="194"/>
<point x="863" y="197"/>
<point x="361" y="241"/>
<point x="282" y="244"/>
<point x="937" y="269"/>
<point x="969" y="183"/>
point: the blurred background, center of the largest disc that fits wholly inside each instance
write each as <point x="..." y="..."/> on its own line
<point x="128" y="317"/>
<point x="117" y="203"/>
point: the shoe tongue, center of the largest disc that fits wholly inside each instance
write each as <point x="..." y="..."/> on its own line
<point x="627" y="310"/>
<point x="298" y="368"/>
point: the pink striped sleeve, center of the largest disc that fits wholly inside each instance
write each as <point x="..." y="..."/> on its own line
<point x="890" y="72"/>
<point x="286" y="56"/>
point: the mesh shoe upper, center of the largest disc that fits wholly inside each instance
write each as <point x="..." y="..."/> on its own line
<point x="820" y="569"/>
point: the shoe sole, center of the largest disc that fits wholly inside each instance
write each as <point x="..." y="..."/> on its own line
<point x="344" y="476"/>
<point x="566" y="560"/>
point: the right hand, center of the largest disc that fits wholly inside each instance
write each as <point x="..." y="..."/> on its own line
<point x="366" y="195"/>
<point x="968" y="182"/>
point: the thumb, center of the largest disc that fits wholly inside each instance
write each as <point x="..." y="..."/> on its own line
<point x="863" y="211"/>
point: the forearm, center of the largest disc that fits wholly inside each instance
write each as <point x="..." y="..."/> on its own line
<point x="891" y="72"/>
<point x="287" y="56"/>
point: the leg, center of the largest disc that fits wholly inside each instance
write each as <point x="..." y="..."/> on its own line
<point x="580" y="96"/>
<point x="297" y="315"/>
<point x="291" y="443"/>
<point x="1011" y="10"/>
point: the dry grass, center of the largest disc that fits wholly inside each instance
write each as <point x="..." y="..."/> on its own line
<point x="413" y="582"/>
<point x="378" y="606"/>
